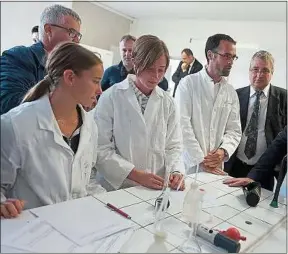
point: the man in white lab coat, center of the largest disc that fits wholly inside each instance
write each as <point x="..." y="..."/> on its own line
<point x="209" y="109"/>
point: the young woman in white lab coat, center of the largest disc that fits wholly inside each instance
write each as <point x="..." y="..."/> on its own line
<point x="49" y="143"/>
<point x="139" y="133"/>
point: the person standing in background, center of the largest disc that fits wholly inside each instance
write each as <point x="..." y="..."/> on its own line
<point x="188" y="65"/>
<point x="35" y="34"/>
<point x="117" y="73"/>
<point x="23" y="67"/>
<point x="263" y="112"/>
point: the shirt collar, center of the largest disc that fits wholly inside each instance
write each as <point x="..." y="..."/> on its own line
<point x="125" y="84"/>
<point x="136" y="89"/>
<point x="265" y="91"/>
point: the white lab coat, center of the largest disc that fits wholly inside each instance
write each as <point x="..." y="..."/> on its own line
<point x="37" y="165"/>
<point x="207" y="120"/>
<point x="129" y="139"/>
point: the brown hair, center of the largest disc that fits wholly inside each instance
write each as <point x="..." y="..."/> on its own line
<point x="65" y="56"/>
<point x="146" y="50"/>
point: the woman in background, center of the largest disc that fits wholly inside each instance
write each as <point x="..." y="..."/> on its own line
<point x="49" y="143"/>
<point x="139" y="133"/>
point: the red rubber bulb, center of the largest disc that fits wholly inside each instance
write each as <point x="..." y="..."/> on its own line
<point x="234" y="234"/>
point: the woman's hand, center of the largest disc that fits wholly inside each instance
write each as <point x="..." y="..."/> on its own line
<point x="146" y="179"/>
<point x="11" y="208"/>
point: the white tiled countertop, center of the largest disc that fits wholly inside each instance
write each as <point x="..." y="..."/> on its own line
<point x="224" y="207"/>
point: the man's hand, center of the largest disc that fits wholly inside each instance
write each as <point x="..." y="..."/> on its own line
<point x="214" y="158"/>
<point x="237" y="182"/>
<point x="174" y="181"/>
<point x="184" y="67"/>
<point x="11" y="208"/>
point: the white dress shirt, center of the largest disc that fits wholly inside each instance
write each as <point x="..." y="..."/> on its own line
<point x="261" y="139"/>
<point x="191" y="66"/>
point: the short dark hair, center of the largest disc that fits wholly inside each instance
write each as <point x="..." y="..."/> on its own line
<point x="187" y="51"/>
<point x="128" y="37"/>
<point x="35" y="29"/>
<point x="214" y="41"/>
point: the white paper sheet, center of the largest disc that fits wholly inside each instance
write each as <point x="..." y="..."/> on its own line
<point x="83" y="220"/>
<point x="8" y="226"/>
<point x="8" y="249"/>
<point x="40" y="237"/>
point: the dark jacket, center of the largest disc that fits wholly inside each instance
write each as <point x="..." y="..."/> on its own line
<point x="21" y="68"/>
<point x="117" y="73"/>
<point x="263" y="171"/>
<point x="276" y="116"/>
<point x="179" y="74"/>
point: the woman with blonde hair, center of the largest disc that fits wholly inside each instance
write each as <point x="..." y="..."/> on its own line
<point x="139" y="132"/>
<point x="49" y="143"/>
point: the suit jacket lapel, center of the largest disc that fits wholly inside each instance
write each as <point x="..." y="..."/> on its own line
<point x="193" y="67"/>
<point x="271" y="115"/>
<point x="244" y="104"/>
<point x="273" y="101"/>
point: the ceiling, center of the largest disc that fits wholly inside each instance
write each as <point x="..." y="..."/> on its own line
<point x="213" y="10"/>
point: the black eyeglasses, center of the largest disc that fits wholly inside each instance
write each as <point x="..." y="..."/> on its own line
<point x="227" y="56"/>
<point x="72" y="32"/>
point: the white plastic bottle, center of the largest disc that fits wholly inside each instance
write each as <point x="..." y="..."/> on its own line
<point x="192" y="207"/>
<point x="192" y="204"/>
<point x="158" y="246"/>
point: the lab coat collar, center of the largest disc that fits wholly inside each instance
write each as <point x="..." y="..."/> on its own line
<point x="124" y="85"/>
<point x="207" y="78"/>
<point x="47" y="121"/>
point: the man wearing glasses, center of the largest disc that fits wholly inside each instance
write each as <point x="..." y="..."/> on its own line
<point x="209" y="106"/>
<point x="263" y="111"/>
<point x="23" y="67"/>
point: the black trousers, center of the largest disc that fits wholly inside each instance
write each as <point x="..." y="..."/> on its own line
<point x="240" y="168"/>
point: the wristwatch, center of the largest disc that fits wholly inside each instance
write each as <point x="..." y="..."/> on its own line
<point x="226" y="155"/>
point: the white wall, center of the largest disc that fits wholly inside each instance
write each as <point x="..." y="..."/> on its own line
<point x="17" y="20"/>
<point x="251" y="36"/>
<point x="101" y="28"/>
<point x="105" y="55"/>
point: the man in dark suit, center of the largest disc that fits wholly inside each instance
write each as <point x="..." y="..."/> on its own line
<point x="188" y="65"/>
<point x="263" y="171"/>
<point x="263" y="113"/>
